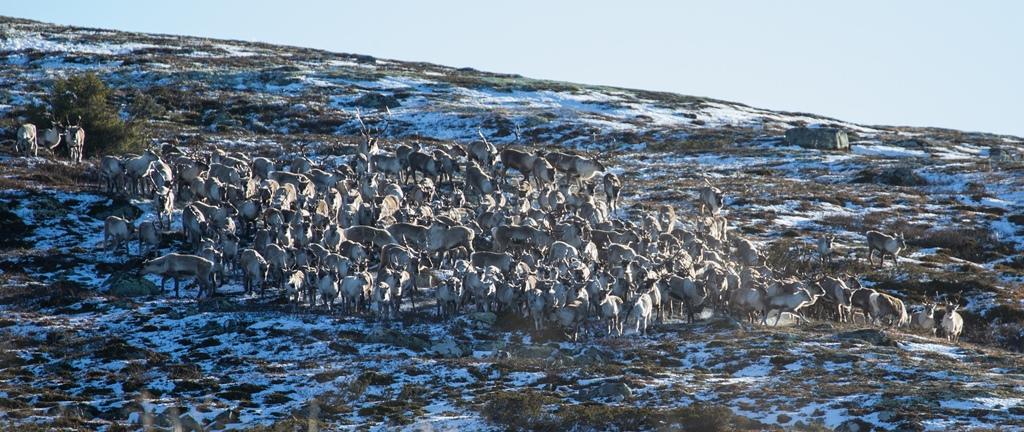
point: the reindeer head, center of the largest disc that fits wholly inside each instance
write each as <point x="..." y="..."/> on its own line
<point x="371" y="136"/>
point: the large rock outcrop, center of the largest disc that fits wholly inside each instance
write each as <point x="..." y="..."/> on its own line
<point x="818" y="138"/>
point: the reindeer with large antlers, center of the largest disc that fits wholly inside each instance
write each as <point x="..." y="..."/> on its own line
<point x="371" y="135"/>
<point x="74" y="136"/>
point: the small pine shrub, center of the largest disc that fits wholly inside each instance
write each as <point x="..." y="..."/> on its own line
<point x="87" y="96"/>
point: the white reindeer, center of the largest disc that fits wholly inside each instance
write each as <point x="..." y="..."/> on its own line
<point x="952" y="323"/>
<point x="611" y="306"/>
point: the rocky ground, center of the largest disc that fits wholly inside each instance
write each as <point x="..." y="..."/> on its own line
<point x="85" y="346"/>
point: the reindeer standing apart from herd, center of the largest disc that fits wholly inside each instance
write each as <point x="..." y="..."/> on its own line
<point x="28" y="140"/>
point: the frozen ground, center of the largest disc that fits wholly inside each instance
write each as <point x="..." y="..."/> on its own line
<point x="73" y="356"/>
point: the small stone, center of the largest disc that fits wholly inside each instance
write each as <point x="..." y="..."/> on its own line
<point x="188" y="424"/>
<point x="447" y="348"/>
<point x="872" y="336"/>
<point x="481" y="320"/>
<point x="854" y="425"/>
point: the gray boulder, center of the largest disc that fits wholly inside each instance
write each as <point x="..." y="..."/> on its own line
<point x="872" y="336"/>
<point x="129" y="285"/>
<point x="447" y="348"/>
<point x="611" y="390"/>
<point x="480" y="320"/>
<point x="388" y="336"/>
<point x="818" y="138"/>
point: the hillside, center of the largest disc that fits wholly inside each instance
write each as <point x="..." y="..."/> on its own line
<point x="75" y="355"/>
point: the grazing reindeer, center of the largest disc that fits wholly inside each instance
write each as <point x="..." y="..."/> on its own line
<point x="952" y="323"/>
<point x="177" y="266"/>
<point x="885" y="245"/>
<point x="149" y="235"/>
<point x="117" y="231"/>
<point x="794" y="302"/>
<point x="885" y="307"/>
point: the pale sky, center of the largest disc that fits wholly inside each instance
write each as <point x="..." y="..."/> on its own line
<point x="921" y="63"/>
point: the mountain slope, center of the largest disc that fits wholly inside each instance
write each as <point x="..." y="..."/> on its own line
<point x="77" y="354"/>
<point x="287" y="90"/>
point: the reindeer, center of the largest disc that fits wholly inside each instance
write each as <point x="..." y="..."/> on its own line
<point x="178" y="266"/>
<point x="886" y="307"/>
<point x="74" y="135"/>
<point x="611" y="307"/>
<point x="112" y="170"/>
<point x="254" y="270"/>
<point x="885" y="244"/>
<point x="149" y="235"/>
<point x="518" y="160"/>
<point x="824" y="246"/>
<point x="449" y="294"/>
<point x="369" y="145"/>
<point x="837" y="292"/>
<point x="53" y="135"/>
<point x="711" y="198"/>
<point x="482" y="151"/>
<point x="793" y="302"/>
<point x="952" y="323"/>
<point x="924" y="319"/>
<point x="117" y="231"/>
<point x="612" y="187"/>
<point x="640" y="313"/>
<point x="27" y="142"/>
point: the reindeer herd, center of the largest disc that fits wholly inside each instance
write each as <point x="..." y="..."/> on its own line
<point x="467" y="227"/>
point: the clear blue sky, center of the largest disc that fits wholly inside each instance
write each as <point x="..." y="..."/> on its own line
<point x="922" y="63"/>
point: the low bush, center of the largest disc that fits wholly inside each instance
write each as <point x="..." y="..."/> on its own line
<point x="525" y="410"/>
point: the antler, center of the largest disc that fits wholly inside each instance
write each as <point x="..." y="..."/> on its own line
<point x="365" y="131"/>
<point x="387" y="122"/>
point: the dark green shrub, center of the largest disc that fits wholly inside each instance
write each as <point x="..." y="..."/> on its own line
<point x="88" y="97"/>
<point x="144" y="107"/>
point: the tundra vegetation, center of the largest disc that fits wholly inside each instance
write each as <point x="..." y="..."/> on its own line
<point x="509" y="266"/>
